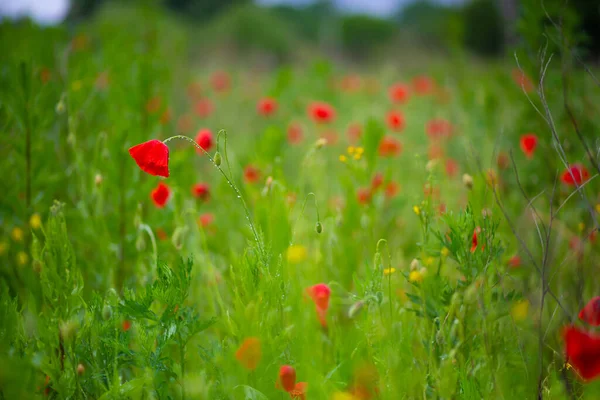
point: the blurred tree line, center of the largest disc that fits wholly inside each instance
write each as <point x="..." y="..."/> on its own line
<point x="480" y="26"/>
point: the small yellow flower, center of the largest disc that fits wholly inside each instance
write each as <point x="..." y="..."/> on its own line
<point x="389" y="271"/>
<point x="568" y="366"/>
<point x="3" y="247"/>
<point x="445" y="252"/>
<point x="415" y="276"/>
<point x="429" y="261"/>
<point x="581" y="226"/>
<point x="343" y="158"/>
<point x="343" y="396"/>
<point x="296" y="254"/>
<point x="351" y="150"/>
<point x="360" y="150"/>
<point x="417" y="210"/>
<point x="357" y="156"/>
<point x="22" y="258"/>
<point x="35" y="221"/>
<point x="17" y="234"/>
<point x="76" y="85"/>
<point x="519" y="310"/>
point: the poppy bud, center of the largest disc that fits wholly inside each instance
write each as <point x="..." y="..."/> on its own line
<point x="414" y="264"/>
<point x="107" y="312"/>
<point x="217" y="159"/>
<point x="468" y="181"/>
<point x="319" y="227"/>
<point x="439" y="338"/>
<point x="355" y="309"/>
<point x="80" y="369"/>
<point x="98" y="180"/>
<point x="178" y="237"/>
<point x="68" y="329"/>
<point x="60" y="107"/>
<point x="320" y="143"/>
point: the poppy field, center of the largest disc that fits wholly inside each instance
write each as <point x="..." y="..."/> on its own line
<point x="176" y="226"/>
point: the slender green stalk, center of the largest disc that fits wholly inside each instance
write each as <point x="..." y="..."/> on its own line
<point x="147" y="229"/>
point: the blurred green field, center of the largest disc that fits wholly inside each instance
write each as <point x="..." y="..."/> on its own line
<point x="107" y="293"/>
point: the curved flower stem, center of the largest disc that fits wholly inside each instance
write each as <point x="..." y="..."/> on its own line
<point x="229" y="181"/>
<point x="302" y="213"/>
<point x="383" y="241"/>
<point x="147" y="229"/>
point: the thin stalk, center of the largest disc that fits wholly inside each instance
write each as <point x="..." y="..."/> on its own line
<point x="147" y="229"/>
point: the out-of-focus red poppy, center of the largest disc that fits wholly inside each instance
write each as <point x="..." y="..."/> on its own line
<point x="514" y="261"/>
<point x="590" y="313"/>
<point x="204" y="138"/>
<point x="503" y="160"/>
<point x="431" y="191"/>
<point x="102" y="80"/>
<point x="528" y="143"/>
<point x="363" y="195"/>
<point x="321" y="112"/>
<point x="287" y="377"/>
<point x="160" y="195"/>
<point x="249" y="353"/>
<point x="351" y="83"/>
<point x="438" y="129"/>
<point x="194" y="90"/>
<point x="575" y="174"/>
<point x="391" y="189"/>
<point x="451" y="168"/>
<point x="583" y="352"/>
<point x="395" y="121"/>
<point x="399" y="93"/>
<point x="206" y="219"/>
<point x="522" y="80"/>
<point x="423" y="85"/>
<point x="153" y="105"/>
<point x="389" y="147"/>
<point x="377" y="181"/>
<point x="320" y="294"/>
<point x="354" y="132"/>
<point x="165" y="117"/>
<point x="185" y="123"/>
<point x="161" y="234"/>
<point x="435" y="152"/>
<point x="45" y="75"/>
<point x="251" y="174"/>
<point x="220" y="81"/>
<point x="475" y="240"/>
<point x="294" y="133"/>
<point x="201" y="191"/>
<point x="267" y="106"/>
<point x="299" y="391"/>
<point x="204" y="108"/>
<point x="126" y="325"/>
<point x="152" y="157"/>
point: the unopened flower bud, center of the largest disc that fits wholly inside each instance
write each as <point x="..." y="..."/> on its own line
<point x="468" y="181"/>
<point x="439" y="337"/>
<point x="320" y="143"/>
<point x="319" y="227"/>
<point x="355" y="309"/>
<point x="98" y="180"/>
<point x="107" y="312"/>
<point x="60" y="107"/>
<point x="80" y="369"/>
<point x="217" y="159"/>
<point x="414" y="264"/>
<point x="68" y="329"/>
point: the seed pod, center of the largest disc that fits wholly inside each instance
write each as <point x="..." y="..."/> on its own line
<point x="217" y="159"/>
<point x="80" y="369"/>
<point x="468" y="181"/>
<point x="319" y="227"/>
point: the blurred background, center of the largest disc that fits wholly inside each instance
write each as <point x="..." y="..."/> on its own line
<point x="355" y="30"/>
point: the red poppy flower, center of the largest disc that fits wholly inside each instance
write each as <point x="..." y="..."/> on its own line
<point x="220" y="81"/>
<point x="203" y="108"/>
<point x="502" y="160"/>
<point x="160" y="195"/>
<point x="126" y="325"/>
<point x="287" y="378"/>
<point x="251" y="174"/>
<point x="591" y="312"/>
<point x="522" y="80"/>
<point x="399" y="93"/>
<point x="514" y="262"/>
<point x="354" y="132"/>
<point x="249" y="353"/>
<point x="363" y="195"/>
<point x="528" y="144"/>
<point x="391" y="189"/>
<point x="438" y="129"/>
<point x="350" y="83"/>
<point x="204" y="138"/>
<point x="423" y="85"/>
<point x="184" y="123"/>
<point x="267" y="106"/>
<point x="575" y="174"/>
<point x="395" y="121"/>
<point x="153" y="105"/>
<point x="299" y="391"/>
<point x="475" y="240"/>
<point x="583" y="352"/>
<point x="389" y="147"/>
<point x="161" y="234"/>
<point x="294" y="133"/>
<point x="451" y="168"/>
<point x="321" y="112"/>
<point x="206" y="219"/>
<point x="377" y="181"/>
<point x="201" y="191"/>
<point x="320" y="294"/>
<point x="152" y="157"/>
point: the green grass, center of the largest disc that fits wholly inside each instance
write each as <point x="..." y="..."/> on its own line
<point x="463" y="325"/>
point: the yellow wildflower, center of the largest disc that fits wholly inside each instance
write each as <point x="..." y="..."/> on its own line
<point x="17" y="234"/>
<point x="76" y="86"/>
<point x="417" y="210"/>
<point x="22" y="258"/>
<point x="445" y="252"/>
<point x="360" y="150"/>
<point x="343" y="396"/>
<point x="357" y="156"/>
<point x="35" y="221"/>
<point x="343" y="158"/>
<point x="581" y="226"/>
<point x="351" y="150"/>
<point x="389" y="271"/>
<point x="519" y="310"/>
<point x="296" y="254"/>
<point x="429" y="261"/>
<point x="415" y="276"/>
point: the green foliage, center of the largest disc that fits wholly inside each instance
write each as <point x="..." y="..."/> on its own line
<point x="483" y="27"/>
<point x="360" y="34"/>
